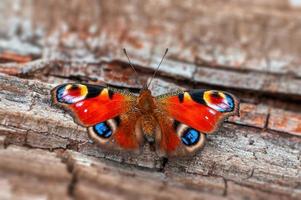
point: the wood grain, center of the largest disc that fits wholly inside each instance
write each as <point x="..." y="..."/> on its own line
<point x="249" y="48"/>
<point x="260" y="162"/>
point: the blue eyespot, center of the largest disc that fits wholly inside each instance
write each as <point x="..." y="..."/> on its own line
<point x="230" y="103"/>
<point x="190" y="137"/>
<point x="60" y="94"/>
<point x="103" y="130"/>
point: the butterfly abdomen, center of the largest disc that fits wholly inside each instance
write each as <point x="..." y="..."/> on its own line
<point x="148" y="126"/>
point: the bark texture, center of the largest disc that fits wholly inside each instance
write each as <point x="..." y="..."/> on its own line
<point x="248" y="48"/>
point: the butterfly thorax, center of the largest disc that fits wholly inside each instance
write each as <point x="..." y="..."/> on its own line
<point x="146" y="105"/>
<point x="145" y="102"/>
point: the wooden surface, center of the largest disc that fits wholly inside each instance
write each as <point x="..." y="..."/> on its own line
<point x="251" y="49"/>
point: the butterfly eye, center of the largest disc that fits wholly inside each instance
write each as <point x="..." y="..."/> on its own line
<point x="219" y="101"/>
<point x="103" y="130"/>
<point x="190" y="137"/>
<point x="71" y="93"/>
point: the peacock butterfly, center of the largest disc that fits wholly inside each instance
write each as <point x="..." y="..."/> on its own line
<point x="175" y="123"/>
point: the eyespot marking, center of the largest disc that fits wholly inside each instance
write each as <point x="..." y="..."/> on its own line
<point x="71" y="93"/>
<point x="190" y="137"/>
<point x="219" y="101"/>
<point x="103" y="130"/>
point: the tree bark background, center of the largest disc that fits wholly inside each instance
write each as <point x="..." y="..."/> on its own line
<point x="251" y="49"/>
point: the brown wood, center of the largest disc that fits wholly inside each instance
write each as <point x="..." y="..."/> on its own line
<point x="249" y="48"/>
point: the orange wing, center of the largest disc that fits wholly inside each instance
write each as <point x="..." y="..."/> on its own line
<point x="188" y="115"/>
<point x="91" y="104"/>
<point x="106" y="112"/>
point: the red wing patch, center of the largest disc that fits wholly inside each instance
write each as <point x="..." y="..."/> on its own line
<point x="169" y="139"/>
<point x="199" y="109"/>
<point x="125" y="134"/>
<point x="90" y="104"/>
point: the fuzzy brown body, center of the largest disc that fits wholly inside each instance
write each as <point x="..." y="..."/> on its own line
<point x="147" y="105"/>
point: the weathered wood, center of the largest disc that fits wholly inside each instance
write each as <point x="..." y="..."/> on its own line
<point x="285" y="120"/>
<point x="258" y="47"/>
<point x="248" y="159"/>
<point x="32" y="174"/>
<point x="247" y="47"/>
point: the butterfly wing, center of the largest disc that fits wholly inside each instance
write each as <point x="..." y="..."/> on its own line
<point x="185" y="118"/>
<point x="108" y="113"/>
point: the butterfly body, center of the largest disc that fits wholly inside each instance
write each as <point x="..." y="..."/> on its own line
<point x="148" y="120"/>
<point x="175" y="123"/>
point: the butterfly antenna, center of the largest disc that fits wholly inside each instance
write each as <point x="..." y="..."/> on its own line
<point x="157" y="67"/>
<point x="124" y="51"/>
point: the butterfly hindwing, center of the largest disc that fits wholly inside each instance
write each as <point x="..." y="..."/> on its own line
<point x="190" y="115"/>
<point x="118" y="133"/>
<point x="106" y="112"/>
<point x="177" y="139"/>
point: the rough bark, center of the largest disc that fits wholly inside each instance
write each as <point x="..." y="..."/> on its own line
<point x="235" y="45"/>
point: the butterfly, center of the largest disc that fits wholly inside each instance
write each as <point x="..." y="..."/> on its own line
<point x="175" y="123"/>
